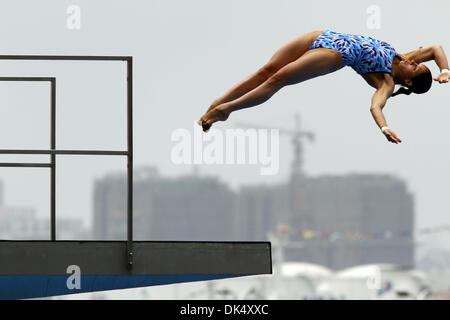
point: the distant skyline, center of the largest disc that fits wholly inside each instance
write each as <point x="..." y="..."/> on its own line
<point x="186" y="54"/>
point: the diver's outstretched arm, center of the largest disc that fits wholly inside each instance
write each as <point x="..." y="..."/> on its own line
<point x="441" y="60"/>
<point x="379" y="99"/>
<point x="436" y="53"/>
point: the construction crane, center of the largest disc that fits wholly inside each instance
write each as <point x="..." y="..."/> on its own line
<point x="296" y="178"/>
<point x="296" y="135"/>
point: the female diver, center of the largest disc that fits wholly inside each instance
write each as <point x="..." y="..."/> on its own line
<point x="320" y="52"/>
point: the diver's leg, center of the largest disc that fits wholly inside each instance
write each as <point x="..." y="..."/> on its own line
<point x="312" y="64"/>
<point x="289" y="52"/>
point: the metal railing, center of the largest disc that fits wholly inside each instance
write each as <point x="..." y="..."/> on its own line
<point x="53" y="152"/>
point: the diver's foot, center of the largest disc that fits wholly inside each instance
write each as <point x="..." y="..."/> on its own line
<point x="216" y="114"/>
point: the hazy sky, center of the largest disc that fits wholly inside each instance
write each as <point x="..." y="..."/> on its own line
<point x="186" y="54"/>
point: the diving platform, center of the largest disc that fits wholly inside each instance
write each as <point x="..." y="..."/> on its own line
<point x="33" y="269"/>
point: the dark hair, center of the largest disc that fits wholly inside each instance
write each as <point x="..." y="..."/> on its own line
<point x="420" y="84"/>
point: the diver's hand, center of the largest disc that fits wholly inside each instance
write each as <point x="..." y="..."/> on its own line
<point x="443" y="77"/>
<point x="391" y="136"/>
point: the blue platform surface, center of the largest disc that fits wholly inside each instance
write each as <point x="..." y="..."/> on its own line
<point x="26" y="287"/>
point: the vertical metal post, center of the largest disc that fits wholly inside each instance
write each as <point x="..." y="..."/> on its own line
<point x="53" y="160"/>
<point x="130" y="161"/>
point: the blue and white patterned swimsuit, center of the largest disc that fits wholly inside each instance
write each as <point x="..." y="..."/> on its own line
<point x="364" y="54"/>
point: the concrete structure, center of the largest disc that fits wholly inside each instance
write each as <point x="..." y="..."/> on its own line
<point x="185" y="208"/>
<point x="22" y="223"/>
<point x="358" y="203"/>
<point x="260" y="209"/>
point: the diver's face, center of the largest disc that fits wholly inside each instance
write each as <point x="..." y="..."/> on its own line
<point x="410" y="69"/>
